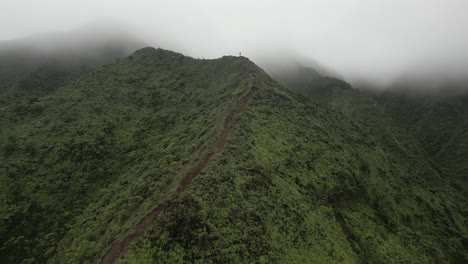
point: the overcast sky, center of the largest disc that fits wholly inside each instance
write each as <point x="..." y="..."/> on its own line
<point x="374" y="39"/>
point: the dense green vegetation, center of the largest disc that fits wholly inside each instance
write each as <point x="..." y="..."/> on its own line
<point x="83" y="163"/>
<point x="85" y="154"/>
<point x="440" y="124"/>
<point x="417" y="126"/>
<point x="403" y="128"/>
<point x="302" y="183"/>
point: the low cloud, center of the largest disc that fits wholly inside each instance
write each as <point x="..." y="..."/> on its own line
<point x="380" y="42"/>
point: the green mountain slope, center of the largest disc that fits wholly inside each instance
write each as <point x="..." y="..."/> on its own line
<point x="299" y="182"/>
<point x="88" y="160"/>
<point x="440" y="124"/>
<point x="243" y="170"/>
<point x="381" y="124"/>
<point x="363" y="108"/>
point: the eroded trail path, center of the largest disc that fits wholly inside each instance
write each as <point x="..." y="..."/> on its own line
<point x="120" y="246"/>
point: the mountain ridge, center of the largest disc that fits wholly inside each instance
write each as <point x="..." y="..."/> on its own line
<point x="299" y="179"/>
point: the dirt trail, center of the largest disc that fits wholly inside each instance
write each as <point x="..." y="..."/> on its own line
<point x="119" y="247"/>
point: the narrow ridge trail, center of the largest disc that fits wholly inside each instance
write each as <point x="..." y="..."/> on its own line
<point x="119" y="247"/>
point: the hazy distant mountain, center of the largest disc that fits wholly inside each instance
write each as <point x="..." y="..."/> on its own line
<point x="293" y="70"/>
<point x="92" y="45"/>
<point x="439" y="122"/>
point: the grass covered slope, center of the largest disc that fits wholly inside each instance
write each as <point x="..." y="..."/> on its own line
<point x="301" y="183"/>
<point x="82" y="164"/>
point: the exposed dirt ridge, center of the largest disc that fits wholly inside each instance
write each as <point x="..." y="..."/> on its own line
<point x="119" y="247"/>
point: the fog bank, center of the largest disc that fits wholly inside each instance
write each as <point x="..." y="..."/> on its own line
<point x="362" y="40"/>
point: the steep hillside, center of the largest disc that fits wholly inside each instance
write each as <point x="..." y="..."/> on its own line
<point x="383" y="122"/>
<point x="300" y="183"/>
<point x="82" y="164"/>
<point x="440" y="124"/>
<point x="162" y="158"/>
<point x="363" y="108"/>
